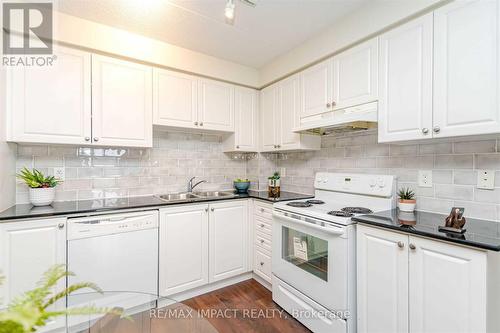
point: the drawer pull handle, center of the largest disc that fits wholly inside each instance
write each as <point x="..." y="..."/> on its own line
<point x="262" y="225"/>
<point x="262" y="263"/>
<point x="401" y="244"/>
<point x="262" y="210"/>
<point x="60" y="225"/>
<point x="262" y="241"/>
<point x="412" y="247"/>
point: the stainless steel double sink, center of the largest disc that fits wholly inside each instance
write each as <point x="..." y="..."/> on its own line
<point x="194" y="196"/>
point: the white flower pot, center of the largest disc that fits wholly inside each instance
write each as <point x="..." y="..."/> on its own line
<point x="42" y="196"/>
<point x="407" y="205"/>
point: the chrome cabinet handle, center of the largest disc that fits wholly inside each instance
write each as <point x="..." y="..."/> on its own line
<point x="262" y="241"/>
<point x="60" y="225"/>
<point x="425" y="130"/>
<point x="87" y="138"/>
<point x="96" y="139"/>
<point x="279" y="146"/>
<point x="401" y="244"/>
<point x="212" y="209"/>
<point x="262" y="225"/>
<point x="237" y="147"/>
<point x="328" y="105"/>
<point x="195" y="123"/>
<point x="201" y="124"/>
<point x="412" y="246"/>
<point x="262" y="263"/>
<point x="206" y="210"/>
<point x="436" y="129"/>
<point x="334" y="104"/>
<point x="262" y="210"/>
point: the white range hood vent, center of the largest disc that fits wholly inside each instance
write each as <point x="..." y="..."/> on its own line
<point x="357" y="118"/>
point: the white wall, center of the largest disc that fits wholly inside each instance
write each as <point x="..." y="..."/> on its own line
<point x="7" y="156"/>
<point x="88" y="34"/>
<point x="361" y="23"/>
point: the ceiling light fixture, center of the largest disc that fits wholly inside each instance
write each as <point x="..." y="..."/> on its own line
<point x="229" y="10"/>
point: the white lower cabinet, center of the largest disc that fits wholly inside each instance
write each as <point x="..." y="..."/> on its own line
<point x="413" y="284"/>
<point x="228" y="230"/>
<point x="27" y="250"/>
<point x="201" y="244"/>
<point x="183" y="248"/>
<point x="262" y="249"/>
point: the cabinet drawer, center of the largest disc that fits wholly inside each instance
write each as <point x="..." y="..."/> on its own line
<point x="262" y="265"/>
<point x="263" y="210"/>
<point x="263" y="240"/>
<point x="263" y="226"/>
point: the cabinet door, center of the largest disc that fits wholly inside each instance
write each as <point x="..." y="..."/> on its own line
<point x="268" y="112"/>
<point x="174" y="99"/>
<point x="448" y="288"/>
<point x="51" y="104"/>
<point x="183" y="248"/>
<point x="382" y="268"/>
<point x="122" y="113"/>
<point x="27" y="250"/>
<point x="288" y="113"/>
<point x="316" y="89"/>
<point x="355" y="73"/>
<point x="228" y="240"/>
<point x="216" y="105"/>
<point x="246" y="115"/>
<point x="405" y="82"/>
<point x="466" y="72"/>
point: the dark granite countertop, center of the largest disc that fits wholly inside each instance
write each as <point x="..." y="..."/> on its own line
<point x="65" y="208"/>
<point x="480" y="233"/>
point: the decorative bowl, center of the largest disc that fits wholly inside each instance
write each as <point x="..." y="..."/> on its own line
<point x="241" y="187"/>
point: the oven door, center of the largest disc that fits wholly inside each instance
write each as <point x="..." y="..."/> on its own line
<point x="311" y="256"/>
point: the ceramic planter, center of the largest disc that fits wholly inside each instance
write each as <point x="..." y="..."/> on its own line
<point x="42" y="196"/>
<point x="407" y="205"/>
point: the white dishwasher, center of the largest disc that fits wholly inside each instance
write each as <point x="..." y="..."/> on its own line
<point x="119" y="253"/>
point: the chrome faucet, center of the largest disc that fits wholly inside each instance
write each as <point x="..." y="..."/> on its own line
<point x="191" y="186"/>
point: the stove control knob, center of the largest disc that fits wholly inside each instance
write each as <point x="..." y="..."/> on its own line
<point x="381" y="183"/>
<point x="325" y="180"/>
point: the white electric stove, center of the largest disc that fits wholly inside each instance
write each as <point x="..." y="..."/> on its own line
<point x="314" y="244"/>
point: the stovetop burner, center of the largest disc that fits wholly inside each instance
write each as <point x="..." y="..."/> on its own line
<point x="315" y="201"/>
<point x="340" y="213"/>
<point x="357" y="210"/>
<point x="299" y="204"/>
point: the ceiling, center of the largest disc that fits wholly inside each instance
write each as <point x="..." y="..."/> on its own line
<point x="257" y="36"/>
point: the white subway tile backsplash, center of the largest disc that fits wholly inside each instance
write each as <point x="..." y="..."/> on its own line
<point x="453" y="161"/>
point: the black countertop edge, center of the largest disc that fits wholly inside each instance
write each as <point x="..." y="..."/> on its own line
<point x="477" y="234"/>
<point x="67" y="208"/>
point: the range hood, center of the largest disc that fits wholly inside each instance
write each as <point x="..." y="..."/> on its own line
<point x="356" y="118"/>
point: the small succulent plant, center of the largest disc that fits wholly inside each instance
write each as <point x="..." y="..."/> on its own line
<point x="36" y="179"/>
<point x="406" y="193"/>
<point x="275" y="176"/>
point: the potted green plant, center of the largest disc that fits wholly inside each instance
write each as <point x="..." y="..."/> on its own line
<point x="241" y="185"/>
<point x="406" y="202"/>
<point x="41" y="187"/>
<point x="31" y="311"/>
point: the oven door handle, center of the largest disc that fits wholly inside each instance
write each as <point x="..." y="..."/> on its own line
<point x="331" y="230"/>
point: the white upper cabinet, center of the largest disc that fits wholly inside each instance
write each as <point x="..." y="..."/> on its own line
<point x="433" y="262"/>
<point x="51" y="104"/>
<point x="186" y="101"/>
<point x="228" y="239"/>
<point x="246" y="128"/>
<point x="316" y="89"/>
<point x="279" y="116"/>
<point x="355" y="75"/>
<point x="121" y="103"/>
<point x="405" y="82"/>
<point x="268" y="117"/>
<point x="216" y="105"/>
<point x="288" y="113"/>
<point x="466" y="72"/>
<point x="174" y="99"/>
